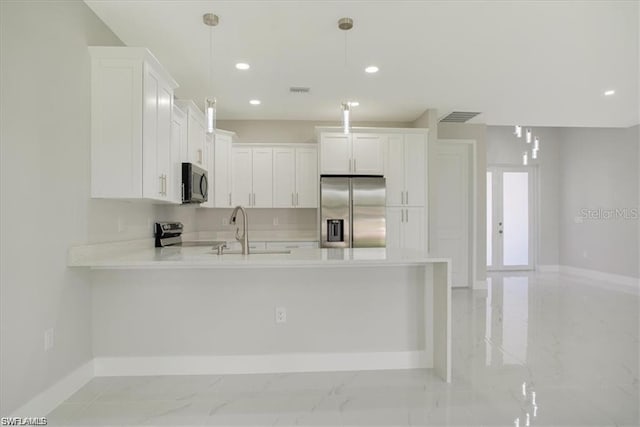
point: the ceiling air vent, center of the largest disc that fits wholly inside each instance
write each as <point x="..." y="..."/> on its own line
<point x="299" y="89"/>
<point x="458" y="117"/>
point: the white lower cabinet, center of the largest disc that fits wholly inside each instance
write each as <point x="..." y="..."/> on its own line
<point x="406" y="228"/>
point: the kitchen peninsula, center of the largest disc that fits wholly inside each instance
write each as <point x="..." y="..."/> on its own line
<point x="190" y="311"/>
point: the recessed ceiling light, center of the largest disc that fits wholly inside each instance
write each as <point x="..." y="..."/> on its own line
<point x="254" y="102"/>
<point x="242" y="66"/>
<point x="353" y="103"/>
<point x="609" y="92"/>
<point x="371" y="69"/>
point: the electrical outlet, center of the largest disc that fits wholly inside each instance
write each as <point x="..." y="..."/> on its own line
<point x="275" y="220"/>
<point x="48" y="339"/>
<point x="281" y="315"/>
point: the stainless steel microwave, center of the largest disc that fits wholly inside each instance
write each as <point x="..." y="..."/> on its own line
<point x="195" y="186"/>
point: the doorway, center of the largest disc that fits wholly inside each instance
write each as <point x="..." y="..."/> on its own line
<point x="510" y="218"/>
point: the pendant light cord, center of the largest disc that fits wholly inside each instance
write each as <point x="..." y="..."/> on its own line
<point x="210" y="59"/>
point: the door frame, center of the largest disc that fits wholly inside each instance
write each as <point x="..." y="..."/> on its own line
<point x="473" y="240"/>
<point x="534" y="214"/>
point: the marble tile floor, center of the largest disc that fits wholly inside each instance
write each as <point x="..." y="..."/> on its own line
<point x="532" y="349"/>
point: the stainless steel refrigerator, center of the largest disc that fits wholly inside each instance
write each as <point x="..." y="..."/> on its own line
<point x="352" y="212"/>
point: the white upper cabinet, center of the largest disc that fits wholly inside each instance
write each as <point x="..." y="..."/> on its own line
<point x="178" y="140"/>
<point x="295" y="177"/>
<point x="367" y="154"/>
<point x="335" y="153"/>
<point x="131" y="125"/>
<point x="222" y="168"/>
<point x="208" y="165"/>
<point x="194" y="152"/>
<point x="252" y="176"/>
<point x="405" y="169"/>
<point x="354" y="154"/>
<point x="307" y="178"/>
<point x="284" y="177"/>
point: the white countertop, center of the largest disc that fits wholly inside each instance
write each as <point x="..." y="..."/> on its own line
<point x="206" y="257"/>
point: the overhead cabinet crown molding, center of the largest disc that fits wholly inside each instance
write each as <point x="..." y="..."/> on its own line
<point x="131" y="126"/>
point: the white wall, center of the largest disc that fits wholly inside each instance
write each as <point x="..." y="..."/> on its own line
<point x="599" y="170"/>
<point x="503" y="148"/>
<point x="45" y="208"/>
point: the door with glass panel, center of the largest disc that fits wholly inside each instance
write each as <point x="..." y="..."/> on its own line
<point x="510" y="220"/>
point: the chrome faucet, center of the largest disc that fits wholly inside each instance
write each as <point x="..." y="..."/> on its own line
<point x="244" y="239"/>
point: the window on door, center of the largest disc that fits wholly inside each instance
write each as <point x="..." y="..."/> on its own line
<point x="510" y="218"/>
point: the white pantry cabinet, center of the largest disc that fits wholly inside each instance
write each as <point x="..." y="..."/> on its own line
<point x="295" y="177"/>
<point x="222" y="168"/>
<point x="252" y="176"/>
<point x="405" y="169"/>
<point x="131" y="125"/>
<point x="195" y="150"/>
<point x="406" y="228"/>
<point x="354" y="154"/>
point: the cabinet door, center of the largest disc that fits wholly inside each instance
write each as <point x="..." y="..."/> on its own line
<point x="394" y="170"/>
<point x="394" y="225"/>
<point x="415" y="166"/>
<point x="335" y="153"/>
<point x="307" y="178"/>
<point x="208" y="165"/>
<point x="196" y="138"/>
<point x="368" y="154"/>
<point x="284" y="177"/>
<point x="152" y="180"/>
<point x="222" y="171"/>
<point x="178" y="139"/>
<point x="242" y="171"/>
<point x="262" y="177"/>
<point x="413" y="235"/>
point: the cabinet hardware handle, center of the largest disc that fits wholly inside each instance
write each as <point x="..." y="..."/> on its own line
<point x="254" y="199"/>
<point x="407" y="215"/>
<point x="164" y="184"/>
<point x="402" y="197"/>
<point x="249" y="199"/>
<point x="160" y="185"/>
<point x="292" y="201"/>
<point x="229" y="199"/>
<point x="297" y="200"/>
<point x="407" y="196"/>
<point x="354" y="165"/>
<point x="291" y="247"/>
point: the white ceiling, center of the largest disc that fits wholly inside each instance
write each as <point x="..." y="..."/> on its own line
<point x="538" y="63"/>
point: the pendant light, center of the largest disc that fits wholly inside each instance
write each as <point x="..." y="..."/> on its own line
<point x="529" y="138"/>
<point x="211" y="21"/>
<point x="345" y="24"/>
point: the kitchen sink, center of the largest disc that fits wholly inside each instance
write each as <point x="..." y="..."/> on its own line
<point x="259" y="252"/>
<point x="196" y="243"/>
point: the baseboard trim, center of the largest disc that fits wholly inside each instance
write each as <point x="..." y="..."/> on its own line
<point x="548" y="268"/>
<point x="631" y="283"/>
<point x="256" y="364"/>
<point x="49" y="399"/>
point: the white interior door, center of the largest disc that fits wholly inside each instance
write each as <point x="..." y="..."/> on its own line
<point x="510" y="218"/>
<point x="450" y="209"/>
